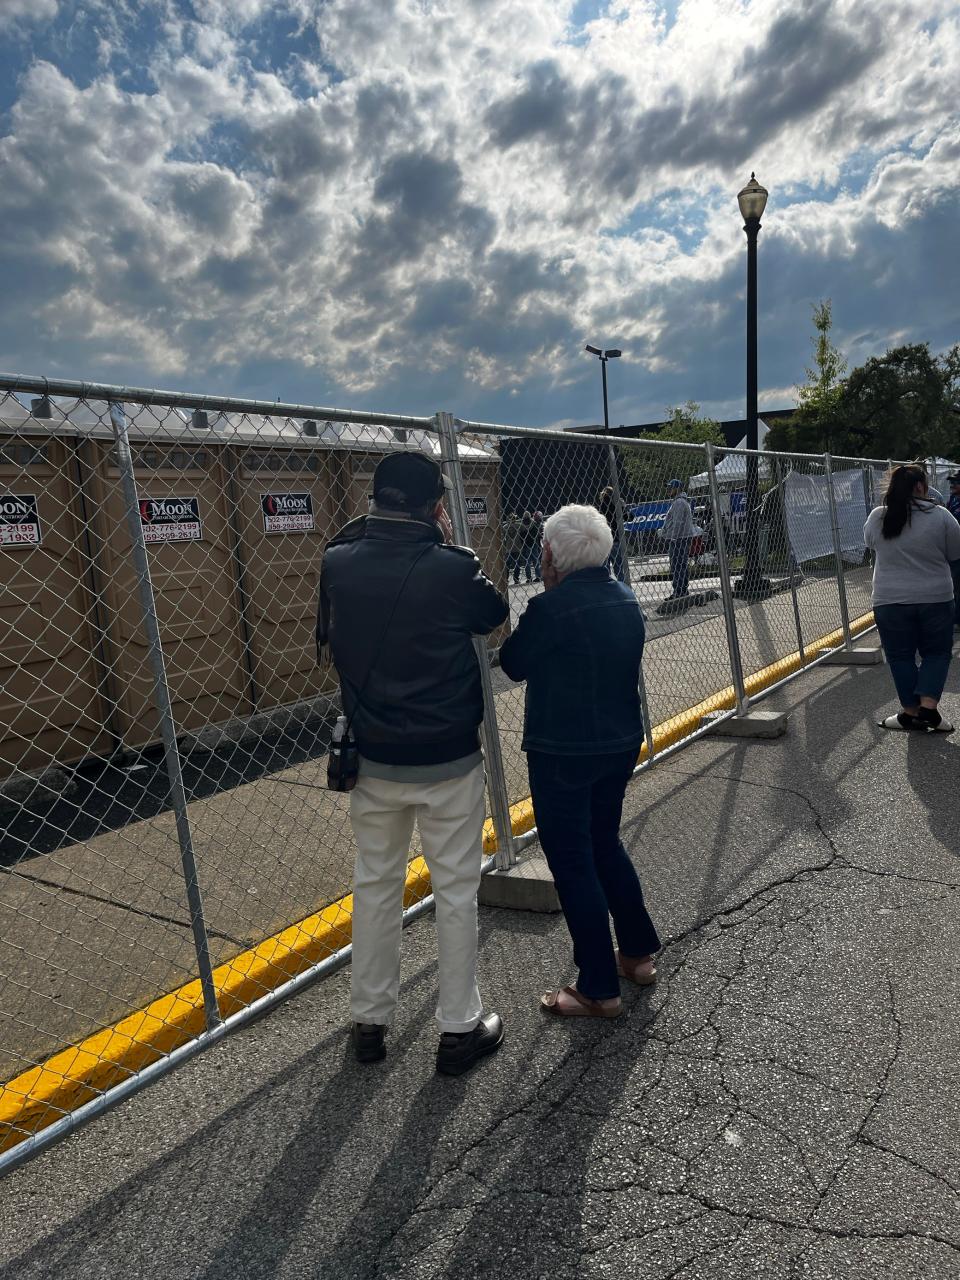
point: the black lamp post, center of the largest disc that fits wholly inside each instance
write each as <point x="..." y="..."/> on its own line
<point x="603" y="357"/>
<point x="752" y="200"/>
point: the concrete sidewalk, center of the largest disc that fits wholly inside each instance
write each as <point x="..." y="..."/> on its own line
<point x="786" y="1102"/>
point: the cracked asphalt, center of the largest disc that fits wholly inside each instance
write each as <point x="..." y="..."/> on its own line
<point x="784" y="1103"/>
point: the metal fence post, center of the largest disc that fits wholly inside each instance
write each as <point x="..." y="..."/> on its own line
<point x="506" y="856"/>
<point x="621" y="538"/>
<point x="837" y="552"/>
<point x="178" y="798"/>
<point x="726" y="587"/>
<point x="792" y="566"/>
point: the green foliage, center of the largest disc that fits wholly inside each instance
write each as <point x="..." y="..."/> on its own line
<point x="648" y="470"/>
<point x="899" y="405"/>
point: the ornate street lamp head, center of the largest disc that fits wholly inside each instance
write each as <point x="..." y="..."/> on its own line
<point x="752" y="200"/>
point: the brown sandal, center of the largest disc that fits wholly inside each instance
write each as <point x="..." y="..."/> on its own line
<point x="641" y="971"/>
<point x="583" y="1007"/>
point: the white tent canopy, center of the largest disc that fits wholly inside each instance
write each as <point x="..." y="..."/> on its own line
<point x="733" y="466"/>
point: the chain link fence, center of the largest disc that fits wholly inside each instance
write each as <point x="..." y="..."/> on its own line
<point x="172" y="862"/>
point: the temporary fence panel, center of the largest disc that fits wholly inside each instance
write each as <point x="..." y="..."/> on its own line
<point x="95" y="915"/>
<point x="206" y="866"/>
<point x="673" y="565"/>
<point x="110" y="889"/>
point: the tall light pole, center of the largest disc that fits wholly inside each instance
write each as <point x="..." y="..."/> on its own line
<point x="620" y="559"/>
<point x="603" y="357"/>
<point x="752" y="200"/>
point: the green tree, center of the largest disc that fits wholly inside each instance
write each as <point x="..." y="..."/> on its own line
<point x="819" y="399"/>
<point x="901" y="405"/>
<point x="648" y="470"/>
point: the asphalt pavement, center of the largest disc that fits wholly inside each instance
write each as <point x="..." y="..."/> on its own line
<point x="784" y="1103"/>
<point x="93" y="921"/>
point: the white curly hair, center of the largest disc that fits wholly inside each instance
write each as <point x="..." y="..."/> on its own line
<point x="579" y="538"/>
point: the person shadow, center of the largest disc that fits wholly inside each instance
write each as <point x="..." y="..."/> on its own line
<point x="933" y="766"/>
<point x="229" y="1152"/>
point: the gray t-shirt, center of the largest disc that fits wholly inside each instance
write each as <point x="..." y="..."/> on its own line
<point x="914" y="568"/>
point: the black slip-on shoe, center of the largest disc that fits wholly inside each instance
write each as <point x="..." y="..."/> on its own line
<point x="368" y="1042"/>
<point x="458" y="1051"/>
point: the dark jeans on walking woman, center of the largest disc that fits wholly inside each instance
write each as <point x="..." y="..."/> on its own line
<point x="907" y="630"/>
<point x="577" y="801"/>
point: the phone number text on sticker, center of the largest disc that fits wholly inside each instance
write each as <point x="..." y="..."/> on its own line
<point x="19" y="520"/>
<point x="287" y="512"/>
<point x="171" y="519"/>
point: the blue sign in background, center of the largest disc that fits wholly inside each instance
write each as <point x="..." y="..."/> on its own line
<point x="647" y="517"/>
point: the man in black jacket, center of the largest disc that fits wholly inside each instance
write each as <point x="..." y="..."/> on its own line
<point x="410" y="681"/>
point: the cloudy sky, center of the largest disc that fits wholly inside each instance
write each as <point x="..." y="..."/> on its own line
<point x="410" y="205"/>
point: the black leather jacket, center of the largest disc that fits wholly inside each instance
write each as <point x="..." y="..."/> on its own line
<point x="423" y="701"/>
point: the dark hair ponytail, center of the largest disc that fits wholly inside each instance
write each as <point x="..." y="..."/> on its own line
<point x="898" y="499"/>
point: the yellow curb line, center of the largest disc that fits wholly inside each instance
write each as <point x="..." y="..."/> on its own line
<point x="75" y="1075"/>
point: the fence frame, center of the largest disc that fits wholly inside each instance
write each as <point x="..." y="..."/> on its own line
<point x="447" y="429"/>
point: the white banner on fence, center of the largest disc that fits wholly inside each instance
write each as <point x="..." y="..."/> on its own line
<point x="807" y="506"/>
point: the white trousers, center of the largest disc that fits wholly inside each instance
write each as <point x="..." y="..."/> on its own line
<point x="450" y="818"/>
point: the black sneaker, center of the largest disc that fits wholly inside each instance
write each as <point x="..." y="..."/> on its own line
<point x="368" y="1042"/>
<point x="459" y="1050"/>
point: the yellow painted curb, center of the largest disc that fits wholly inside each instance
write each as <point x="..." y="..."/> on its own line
<point x="40" y="1096"/>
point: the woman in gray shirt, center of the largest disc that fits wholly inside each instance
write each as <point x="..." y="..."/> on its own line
<point x="914" y="541"/>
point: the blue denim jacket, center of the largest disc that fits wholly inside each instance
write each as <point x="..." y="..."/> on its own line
<point x="579" y="648"/>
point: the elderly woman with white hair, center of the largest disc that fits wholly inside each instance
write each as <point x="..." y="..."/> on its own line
<point x="579" y="647"/>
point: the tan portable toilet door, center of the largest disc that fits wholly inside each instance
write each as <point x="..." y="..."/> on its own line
<point x="184" y="515"/>
<point x="50" y="708"/>
<point x="286" y="517"/>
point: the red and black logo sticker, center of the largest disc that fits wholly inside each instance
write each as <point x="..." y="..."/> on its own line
<point x="171" y="519"/>
<point x="19" y="520"/>
<point x="287" y="512"/>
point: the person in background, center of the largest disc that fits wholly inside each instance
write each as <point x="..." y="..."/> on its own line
<point x="953" y="502"/>
<point x="536" y="562"/>
<point x="914" y="540"/>
<point x="513" y="538"/>
<point x="530" y="546"/>
<point x="399" y="607"/>
<point x="607" y="506"/>
<point x="677" y="531"/>
<point x="953" y="506"/>
<point x="579" y="645"/>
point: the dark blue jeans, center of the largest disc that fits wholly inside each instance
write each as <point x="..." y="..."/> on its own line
<point x="680" y="565"/>
<point x="907" y="630"/>
<point x="577" y="801"/>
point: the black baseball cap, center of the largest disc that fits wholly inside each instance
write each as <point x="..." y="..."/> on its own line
<point x="415" y="475"/>
<point x="954" y="479"/>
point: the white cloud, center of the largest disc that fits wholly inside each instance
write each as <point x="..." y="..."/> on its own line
<point x="13" y="11"/>
<point x="469" y="188"/>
